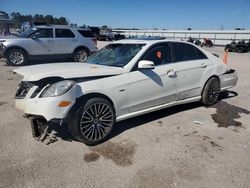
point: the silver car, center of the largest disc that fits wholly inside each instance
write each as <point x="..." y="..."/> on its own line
<point x="47" y="41"/>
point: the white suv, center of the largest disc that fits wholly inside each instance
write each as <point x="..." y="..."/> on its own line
<point x="48" y="41"/>
<point x="124" y="79"/>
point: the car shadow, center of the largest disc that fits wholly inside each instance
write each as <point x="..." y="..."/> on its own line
<point x="125" y="125"/>
<point x="61" y="131"/>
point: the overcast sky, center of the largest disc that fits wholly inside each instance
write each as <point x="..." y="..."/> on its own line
<point x="168" y="14"/>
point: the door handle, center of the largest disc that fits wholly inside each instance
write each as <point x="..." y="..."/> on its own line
<point x="203" y="65"/>
<point x="171" y="74"/>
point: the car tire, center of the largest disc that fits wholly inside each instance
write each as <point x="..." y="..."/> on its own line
<point x="93" y="122"/>
<point x="16" y="57"/>
<point x="80" y="55"/>
<point x="211" y="92"/>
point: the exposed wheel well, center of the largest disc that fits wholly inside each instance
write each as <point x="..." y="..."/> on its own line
<point x="96" y="95"/>
<point x="86" y="97"/>
<point x="15" y="47"/>
<point x="214" y="76"/>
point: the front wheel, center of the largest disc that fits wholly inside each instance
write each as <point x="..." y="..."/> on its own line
<point x="80" y="55"/>
<point x="211" y="92"/>
<point x="16" y="57"/>
<point x="93" y="121"/>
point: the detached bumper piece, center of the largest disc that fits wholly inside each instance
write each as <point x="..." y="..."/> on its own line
<point x="1" y="50"/>
<point x="229" y="79"/>
<point x="40" y="130"/>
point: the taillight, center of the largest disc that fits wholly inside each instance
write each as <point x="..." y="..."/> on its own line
<point x="94" y="40"/>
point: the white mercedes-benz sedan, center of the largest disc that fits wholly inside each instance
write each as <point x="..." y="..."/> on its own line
<point x="124" y="79"/>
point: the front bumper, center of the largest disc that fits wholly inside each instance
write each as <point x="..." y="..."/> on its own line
<point x="47" y="107"/>
<point x="228" y="80"/>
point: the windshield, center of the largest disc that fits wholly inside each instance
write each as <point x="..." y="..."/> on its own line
<point x="117" y="55"/>
<point x="27" y="33"/>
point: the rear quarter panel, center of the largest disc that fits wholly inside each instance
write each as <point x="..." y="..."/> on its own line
<point x="216" y="68"/>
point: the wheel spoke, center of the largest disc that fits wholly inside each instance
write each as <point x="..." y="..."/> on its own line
<point x="90" y="131"/>
<point x="213" y="91"/>
<point x="101" y="109"/>
<point x="106" y="116"/>
<point x="87" y="121"/>
<point x="91" y="110"/>
<point x="85" y="126"/>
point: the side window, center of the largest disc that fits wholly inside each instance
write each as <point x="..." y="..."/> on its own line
<point x="200" y="54"/>
<point x="64" y="33"/>
<point x="86" y="33"/>
<point x="44" y="33"/>
<point x="183" y="52"/>
<point x="159" y="55"/>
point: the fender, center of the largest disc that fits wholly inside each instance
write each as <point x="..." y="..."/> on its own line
<point x="14" y="47"/>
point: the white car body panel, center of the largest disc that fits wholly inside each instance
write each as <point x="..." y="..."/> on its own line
<point x="65" y="70"/>
<point x="48" y="107"/>
<point x="132" y="92"/>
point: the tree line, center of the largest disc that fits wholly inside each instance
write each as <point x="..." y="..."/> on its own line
<point x="48" y="19"/>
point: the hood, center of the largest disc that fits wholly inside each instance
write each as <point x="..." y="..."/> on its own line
<point x="13" y="40"/>
<point x="3" y="38"/>
<point x="66" y="71"/>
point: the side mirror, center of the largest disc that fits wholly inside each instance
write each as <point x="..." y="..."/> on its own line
<point x="145" y="64"/>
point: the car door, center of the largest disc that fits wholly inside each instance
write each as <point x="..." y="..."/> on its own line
<point x="152" y="87"/>
<point x="65" y="41"/>
<point x="41" y="42"/>
<point x="190" y="66"/>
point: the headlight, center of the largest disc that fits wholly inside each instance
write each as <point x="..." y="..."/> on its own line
<point x="58" y="88"/>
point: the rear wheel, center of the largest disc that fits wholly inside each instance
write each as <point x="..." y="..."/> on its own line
<point x="211" y="92"/>
<point x="93" y="122"/>
<point x="16" y="57"/>
<point x="81" y="55"/>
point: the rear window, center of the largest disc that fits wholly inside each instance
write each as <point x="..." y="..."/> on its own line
<point x="186" y="52"/>
<point x="64" y="33"/>
<point x="86" y="33"/>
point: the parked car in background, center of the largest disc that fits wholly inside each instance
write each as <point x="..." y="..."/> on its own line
<point x="240" y="47"/>
<point x="49" y="41"/>
<point x="125" y="79"/>
<point x="119" y="36"/>
<point x="105" y="36"/>
<point x="95" y="31"/>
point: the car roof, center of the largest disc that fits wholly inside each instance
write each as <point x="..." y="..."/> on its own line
<point x="60" y="27"/>
<point x="142" y="41"/>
